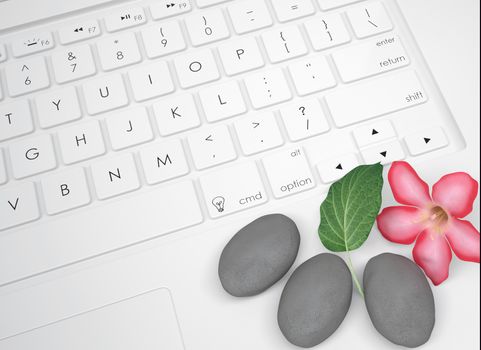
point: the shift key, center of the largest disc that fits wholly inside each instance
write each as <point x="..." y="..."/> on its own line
<point x="375" y="97"/>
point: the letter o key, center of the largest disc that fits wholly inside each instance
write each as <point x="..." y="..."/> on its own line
<point x="195" y="66"/>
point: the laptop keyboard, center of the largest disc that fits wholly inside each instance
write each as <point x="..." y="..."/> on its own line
<point x="189" y="94"/>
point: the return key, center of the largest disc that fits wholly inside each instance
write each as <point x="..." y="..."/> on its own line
<point x="370" y="58"/>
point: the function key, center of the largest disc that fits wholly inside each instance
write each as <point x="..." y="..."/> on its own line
<point x="126" y="18"/>
<point x="330" y="4"/>
<point x="31" y="43"/>
<point x="79" y="31"/>
<point x="3" y="53"/>
<point x="206" y="3"/>
<point x="167" y="8"/>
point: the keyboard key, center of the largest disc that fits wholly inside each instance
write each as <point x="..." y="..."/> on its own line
<point x="284" y="44"/>
<point x="211" y="147"/>
<point x="327" y="31"/>
<point x="375" y="97"/>
<point x="241" y="55"/>
<point x="30" y="43"/>
<point x="73" y="63"/>
<point x="304" y="119"/>
<point x="3" y="53"/>
<point x="233" y="189"/>
<point x="335" y="168"/>
<point x="15" y="119"/>
<point x="65" y="190"/>
<point x="196" y="68"/>
<point x="206" y="3"/>
<point x="118" y="51"/>
<point x="115" y="176"/>
<point x="79" y="31"/>
<point x="288" y="172"/>
<point x="384" y="153"/>
<point x="222" y="101"/>
<point x="3" y="169"/>
<point x="105" y="94"/>
<point x="129" y="128"/>
<point x="207" y="27"/>
<point x="249" y="15"/>
<point x="18" y="205"/>
<point x="125" y="18"/>
<point x="312" y="75"/>
<point x="258" y="133"/>
<point x="25" y="76"/>
<point x="268" y="88"/>
<point x="163" y="39"/>
<point x="176" y="114"/>
<point x="426" y="141"/>
<point x="330" y="4"/>
<point x="373" y="133"/>
<point x="166" y="8"/>
<point x="81" y="141"/>
<point x="292" y="9"/>
<point x="32" y="156"/>
<point x="370" y="58"/>
<point x="163" y="161"/>
<point x="58" y="107"/>
<point x="369" y="19"/>
<point x="149" y="81"/>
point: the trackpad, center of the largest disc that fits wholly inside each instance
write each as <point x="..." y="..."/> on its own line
<point x="146" y="321"/>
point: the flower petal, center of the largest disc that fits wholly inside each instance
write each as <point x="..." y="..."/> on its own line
<point x="456" y="193"/>
<point x="407" y="187"/>
<point x="400" y="224"/>
<point x="464" y="240"/>
<point x="433" y="254"/>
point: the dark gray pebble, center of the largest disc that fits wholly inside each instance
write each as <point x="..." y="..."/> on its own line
<point x="259" y="255"/>
<point x="399" y="300"/>
<point x="315" y="300"/>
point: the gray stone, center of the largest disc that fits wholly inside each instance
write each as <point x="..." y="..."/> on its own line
<point x="399" y="300"/>
<point x="259" y="255"/>
<point x="315" y="300"/>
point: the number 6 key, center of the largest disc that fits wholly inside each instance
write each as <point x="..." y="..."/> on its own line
<point x="26" y="76"/>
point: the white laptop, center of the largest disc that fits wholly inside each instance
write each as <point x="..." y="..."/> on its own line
<point x="122" y="123"/>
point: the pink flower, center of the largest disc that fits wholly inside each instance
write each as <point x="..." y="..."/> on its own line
<point x="433" y="222"/>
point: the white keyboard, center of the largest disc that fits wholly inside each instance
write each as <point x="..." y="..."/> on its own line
<point x="201" y="109"/>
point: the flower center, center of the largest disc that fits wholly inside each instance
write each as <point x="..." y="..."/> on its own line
<point x="438" y="218"/>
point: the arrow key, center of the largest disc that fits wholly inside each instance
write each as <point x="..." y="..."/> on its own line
<point x="373" y="133"/>
<point x="426" y="141"/>
<point x="333" y="169"/>
<point x="384" y="153"/>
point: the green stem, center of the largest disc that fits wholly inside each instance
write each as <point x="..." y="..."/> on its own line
<point x="353" y="273"/>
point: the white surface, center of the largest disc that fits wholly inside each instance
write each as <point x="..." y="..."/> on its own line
<point x="250" y="323"/>
<point x="147" y="321"/>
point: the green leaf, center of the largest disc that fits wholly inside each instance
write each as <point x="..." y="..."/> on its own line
<point x="350" y="209"/>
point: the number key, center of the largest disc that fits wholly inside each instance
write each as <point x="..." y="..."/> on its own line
<point x="26" y="76"/>
<point x="118" y="51"/>
<point x="163" y="39"/>
<point x="73" y="63"/>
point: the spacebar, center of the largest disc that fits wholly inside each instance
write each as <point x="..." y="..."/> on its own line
<point x="54" y="243"/>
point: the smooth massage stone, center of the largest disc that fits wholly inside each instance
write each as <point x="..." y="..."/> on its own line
<point x="259" y="255"/>
<point x="315" y="300"/>
<point x="399" y="300"/>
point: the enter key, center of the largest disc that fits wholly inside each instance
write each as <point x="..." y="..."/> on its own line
<point x="288" y="172"/>
<point x="370" y="58"/>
